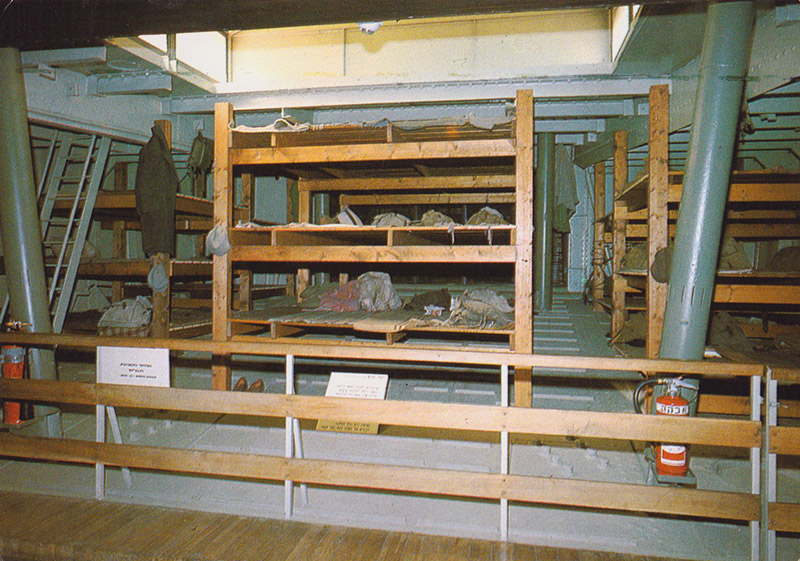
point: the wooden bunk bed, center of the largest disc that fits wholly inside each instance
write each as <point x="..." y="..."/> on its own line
<point x="185" y="311"/>
<point x="381" y="165"/>
<point x="762" y="205"/>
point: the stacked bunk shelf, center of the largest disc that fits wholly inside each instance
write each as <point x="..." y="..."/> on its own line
<point x="371" y="169"/>
<point x="762" y="206"/>
<point x="189" y="310"/>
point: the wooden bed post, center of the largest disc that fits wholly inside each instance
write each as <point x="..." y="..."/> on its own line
<point x="199" y="191"/>
<point x="599" y="232"/>
<point x="657" y="223"/>
<point x="620" y="224"/>
<point x="304" y="217"/>
<point x="120" y="239"/>
<point x="245" y="296"/>
<point x="161" y="300"/>
<point x="523" y="270"/>
<point x="223" y="204"/>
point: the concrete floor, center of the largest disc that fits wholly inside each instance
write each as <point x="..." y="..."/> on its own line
<point x="570" y="328"/>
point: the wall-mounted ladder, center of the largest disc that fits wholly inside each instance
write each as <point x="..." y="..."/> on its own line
<point x="67" y="198"/>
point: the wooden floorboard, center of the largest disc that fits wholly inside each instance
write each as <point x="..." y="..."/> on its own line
<point x="42" y="528"/>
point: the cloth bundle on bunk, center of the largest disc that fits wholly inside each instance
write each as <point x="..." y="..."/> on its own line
<point x="372" y="292"/>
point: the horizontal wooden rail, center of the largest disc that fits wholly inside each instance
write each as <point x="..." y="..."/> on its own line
<point x="503" y="147"/>
<point x="544" y="422"/>
<point x="784" y="517"/>
<point x="434" y="183"/>
<point x="784" y="440"/>
<point x="345" y="351"/>
<point x="492" y="486"/>
<point x="786" y="375"/>
<point x="373" y="254"/>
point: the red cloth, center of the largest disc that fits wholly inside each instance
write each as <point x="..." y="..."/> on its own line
<point x="343" y="299"/>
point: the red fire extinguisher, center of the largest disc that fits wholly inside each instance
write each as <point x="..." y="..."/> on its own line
<point x="672" y="459"/>
<point x="13" y="367"/>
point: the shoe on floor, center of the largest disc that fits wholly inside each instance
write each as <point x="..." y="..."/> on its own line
<point x="241" y="385"/>
<point x="257" y="387"/>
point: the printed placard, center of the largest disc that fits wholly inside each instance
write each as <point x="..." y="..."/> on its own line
<point x="362" y="386"/>
<point x="133" y="366"/>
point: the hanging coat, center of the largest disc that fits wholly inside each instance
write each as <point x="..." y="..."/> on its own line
<point x="156" y="188"/>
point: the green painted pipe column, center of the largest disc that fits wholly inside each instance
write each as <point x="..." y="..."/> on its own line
<point x="724" y="63"/>
<point x="543" y="220"/>
<point x="19" y="223"/>
<point x="321" y="209"/>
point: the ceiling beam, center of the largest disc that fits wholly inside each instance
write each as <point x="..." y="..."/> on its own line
<point x="603" y="148"/>
<point x="39" y="24"/>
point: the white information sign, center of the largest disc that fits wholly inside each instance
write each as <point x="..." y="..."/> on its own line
<point x="366" y="386"/>
<point x="133" y="366"/>
<point x="349" y="384"/>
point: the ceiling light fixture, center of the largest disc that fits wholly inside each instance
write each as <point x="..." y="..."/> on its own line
<point x="370" y="27"/>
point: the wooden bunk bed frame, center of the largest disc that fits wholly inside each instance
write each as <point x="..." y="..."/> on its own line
<point x="494" y="166"/>
<point x="116" y="210"/>
<point x="762" y="205"/>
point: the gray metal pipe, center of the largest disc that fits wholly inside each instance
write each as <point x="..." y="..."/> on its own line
<point x="322" y="208"/>
<point x="724" y="63"/>
<point x="543" y="220"/>
<point x="19" y="218"/>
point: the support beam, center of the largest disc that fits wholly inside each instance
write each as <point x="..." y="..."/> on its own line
<point x="19" y="223"/>
<point x="543" y="220"/>
<point x="657" y="222"/>
<point x="603" y="148"/>
<point x="598" y="275"/>
<point x="245" y="293"/>
<point x="620" y="223"/>
<point x="120" y="235"/>
<point x="523" y="270"/>
<point x="726" y="51"/>
<point x="160" y="323"/>
<point x="223" y="203"/>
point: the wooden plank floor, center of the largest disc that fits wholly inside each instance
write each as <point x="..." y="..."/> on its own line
<point x="43" y="528"/>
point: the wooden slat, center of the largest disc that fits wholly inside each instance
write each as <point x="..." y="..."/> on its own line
<point x="784" y="517"/>
<point x="786" y="375"/>
<point x="598" y="258"/>
<point x="528" y="489"/>
<point x="523" y="269"/>
<point x="657" y="227"/>
<point x="755" y="293"/>
<point x="141" y="268"/>
<point x="784" y="440"/>
<point x="223" y="203"/>
<point x="344" y="350"/>
<point x="428" y="199"/>
<point x="619" y="283"/>
<point x="435" y="183"/>
<point x="543" y="422"/>
<point x="737" y="230"/>
<point x="374" y="152"/>
<point x="372" y="254"/>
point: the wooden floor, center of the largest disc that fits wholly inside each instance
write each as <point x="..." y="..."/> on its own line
<point x="38" y="527"/>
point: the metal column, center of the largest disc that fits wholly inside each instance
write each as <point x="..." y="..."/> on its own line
<point x="543" y="220"/>
<point x="19" y="223"/>
<point x="726" y="51"/>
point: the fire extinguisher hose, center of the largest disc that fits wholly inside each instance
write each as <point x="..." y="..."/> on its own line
<point x="637" y="393"/>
